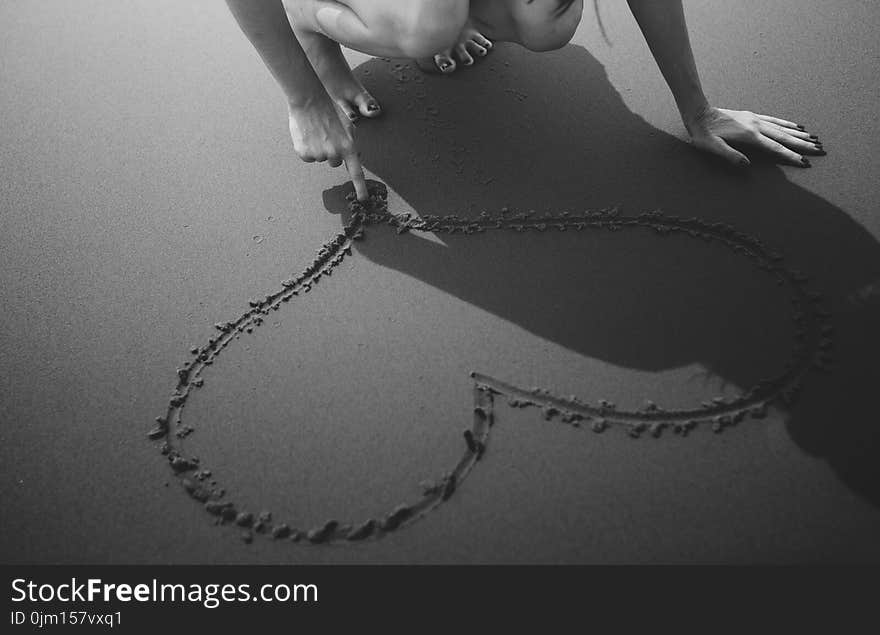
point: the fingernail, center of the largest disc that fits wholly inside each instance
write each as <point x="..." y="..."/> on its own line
<point x="801" y="128"/>
<point x="806" y="162"/>
<point x="822" y="152"/>
<point x="744" y="163"/>
<point x="812" y="136"/>
<point x="372" y="107"/>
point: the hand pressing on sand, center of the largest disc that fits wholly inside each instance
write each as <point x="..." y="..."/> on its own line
<point x="720" y="132"/>
<point x="725" y="132"/>
<point x="321" y="132"/>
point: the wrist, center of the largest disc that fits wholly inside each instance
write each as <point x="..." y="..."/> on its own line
<point x="694" y="112"/>
<point x="307" y="99"/>
<point x="302" y="89"/>
<point x="299" y="103"/>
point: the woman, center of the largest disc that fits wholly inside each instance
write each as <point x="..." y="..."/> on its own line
<point x="299" y="41"/>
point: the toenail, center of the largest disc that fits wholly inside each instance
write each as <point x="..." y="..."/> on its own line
<point x="372" y="107"/>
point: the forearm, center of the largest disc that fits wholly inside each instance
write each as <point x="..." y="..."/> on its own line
<point x="663" y="24"/>
<point x="265" y="24"/>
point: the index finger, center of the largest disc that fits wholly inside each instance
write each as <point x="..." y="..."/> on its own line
<point x="356" y="171"/>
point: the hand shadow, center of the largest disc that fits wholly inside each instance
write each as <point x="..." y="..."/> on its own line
<point x="549" y="132"/>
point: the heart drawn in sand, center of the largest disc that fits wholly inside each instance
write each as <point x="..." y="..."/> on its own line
<point x="813" y="341"/>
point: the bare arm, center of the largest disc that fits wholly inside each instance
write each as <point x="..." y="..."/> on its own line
<point x="713" y="129"/>
<point x="265" y="24"/>
<point x="663" y="25"/>
<point x="318" y="131"/>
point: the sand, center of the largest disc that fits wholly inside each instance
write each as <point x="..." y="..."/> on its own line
<point x="151" y="200"/>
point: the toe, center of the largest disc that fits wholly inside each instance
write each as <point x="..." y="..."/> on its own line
<point x="367" y="105"/>
<point x="477" y="38"/>
<point x="347" y="109"/>
<point x="476" y="49"/>
<point x="445" y="63"/>
<point x="463" y="55"/>
<point x="428" y="65"/>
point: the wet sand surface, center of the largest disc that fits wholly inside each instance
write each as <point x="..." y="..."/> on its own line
<point x="151" y="194"/>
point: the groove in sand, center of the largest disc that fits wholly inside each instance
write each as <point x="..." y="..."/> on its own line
<point x="811" y="351"/>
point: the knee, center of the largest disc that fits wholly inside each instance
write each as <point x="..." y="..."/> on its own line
<point x="543" y="42"/>
<point x="540" y="32"/>
<point x="430" y="26"/>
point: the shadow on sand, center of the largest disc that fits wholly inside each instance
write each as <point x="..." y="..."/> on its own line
<point x="551" y="133"/>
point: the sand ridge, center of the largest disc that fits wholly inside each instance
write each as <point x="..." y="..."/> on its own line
<point x="810" y="351"/>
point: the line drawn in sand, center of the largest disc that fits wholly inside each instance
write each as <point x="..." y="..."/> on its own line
<point x="811" y="350"/>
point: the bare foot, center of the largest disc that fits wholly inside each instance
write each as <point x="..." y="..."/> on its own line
<point x="334" y="72"/>
<point x="471" y="43"/>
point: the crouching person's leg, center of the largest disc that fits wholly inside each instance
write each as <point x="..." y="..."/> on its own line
<point x="385" y="28"/>
<point x="388" y="28"/>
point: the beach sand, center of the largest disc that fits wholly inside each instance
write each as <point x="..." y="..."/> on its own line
<point x="150" y="191"/>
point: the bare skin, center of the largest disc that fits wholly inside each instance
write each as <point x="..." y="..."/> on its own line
<point x="325" y="99"/>
<point x="470" y="45"/>
<point x="330" y="65"/>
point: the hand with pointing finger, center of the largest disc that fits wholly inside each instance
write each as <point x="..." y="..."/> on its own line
<point x="320" y="132"/>
<point x="726" y="133"/>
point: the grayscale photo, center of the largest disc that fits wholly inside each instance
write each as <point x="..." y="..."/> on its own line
<point x="434" y="282"/>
